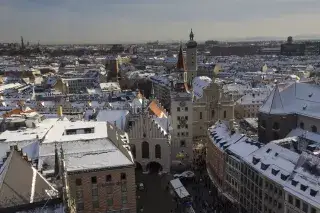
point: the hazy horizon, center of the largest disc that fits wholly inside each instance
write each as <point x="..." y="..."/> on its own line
<point x="99" y="21"/>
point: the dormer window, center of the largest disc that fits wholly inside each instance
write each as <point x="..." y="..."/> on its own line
<point x="304" y="107"/>
<point x="264" y="166"/>
<point x="303" y="187"/>
<point x="268" y="150"/>
<point x="313" y="192"/>
<point x="284" y="177"/>
<point x="294" y="183"/>
<point x="255" y="160"/>
<point x="275" y="171"/>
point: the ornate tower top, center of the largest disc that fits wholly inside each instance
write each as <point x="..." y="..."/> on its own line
<point x="191" y="43"/>
<point x="191" y="36"/>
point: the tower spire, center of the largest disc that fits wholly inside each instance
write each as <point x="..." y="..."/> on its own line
<point x="191" y="36"/>
<point x="180" y="62"/>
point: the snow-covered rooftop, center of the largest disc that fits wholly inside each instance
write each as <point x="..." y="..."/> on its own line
<point x="199" y="83"/>
<point x="297" y="98"/>
<point x="85" y="155"/>
<point x="113" y="116"/>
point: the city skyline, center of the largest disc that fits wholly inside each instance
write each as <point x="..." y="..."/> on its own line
<point x="98" y="21"/>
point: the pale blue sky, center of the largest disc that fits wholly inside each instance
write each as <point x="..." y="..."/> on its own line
<point x="103" y="21"/>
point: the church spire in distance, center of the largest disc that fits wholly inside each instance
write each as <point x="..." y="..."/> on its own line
<point x="180" y="62"/>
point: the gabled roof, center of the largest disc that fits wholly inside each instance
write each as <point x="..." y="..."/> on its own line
<point x="155" y="109"/>
<point x="21" y="183"/>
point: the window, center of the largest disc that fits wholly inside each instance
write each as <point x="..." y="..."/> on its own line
<point x="95" y="204"/>
<point x="110" y="202"/>
<point x="182" y="143"/>
<point x="124" y="200"/>
<point x="186" y="117"/>
<point x="78" y="182"/>
<point x="123" y="176"/>
<point x="123" y="187"/>
<point x="186" y="126"/>
<point x="305" y="207"/>
<point x="157" y="151"/>
<point x="178" y="109"/>
<point x="224" y="114"/>
<point x="108" y="178"/>
<point x="290" y="199"/>
<point x="145" y="149"/>
<point x="94" y="180"/>
<point x="314" y="128"/>
<point x="79" y="195"/>
<point x="313" y="210"/>
<point x="279" y="205"/>
<point x="80" y="206"/>
<point x="200" y="115"/>
<point x="263" y="123"/>
<point x="301" y="125"/>
<point x="186" y="109"/>
<point x="298" y="203"/>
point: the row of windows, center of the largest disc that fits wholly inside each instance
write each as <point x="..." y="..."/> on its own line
<point x="94" y="180"/>
<point x="146" y="153"/>
<point x="273" y="188"/>
<point x="95" y="203"/>
<point x="276" y="126"/>
<point x="183" y="134"/>
<point x="180" y="108"/>
<point x="313" y="127"/>
<point x="301" y="205"/>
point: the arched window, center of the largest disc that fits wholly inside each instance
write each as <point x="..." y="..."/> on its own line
<point x="224" y="114"/>
<point x="314" y="128"/>
<point x="133" y="150"/>
<point x="145" y="149"/>
<point x="157" y="151"/>
<point x="275" y="126"/>
<point x="301" y="125"/>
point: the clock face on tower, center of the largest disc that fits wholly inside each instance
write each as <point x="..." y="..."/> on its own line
<point x="182" y="122"/>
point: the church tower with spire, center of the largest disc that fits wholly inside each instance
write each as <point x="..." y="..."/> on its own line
<point x="192" y="66"/>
